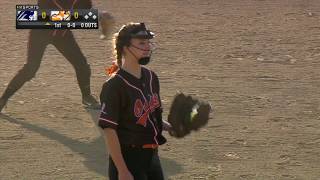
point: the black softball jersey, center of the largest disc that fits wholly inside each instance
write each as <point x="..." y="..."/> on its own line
<point x="132" y="107"/>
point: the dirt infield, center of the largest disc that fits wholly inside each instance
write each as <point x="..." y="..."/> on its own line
<point x="256" y="61"/>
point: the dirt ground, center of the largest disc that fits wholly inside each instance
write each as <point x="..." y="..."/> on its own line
<point x="256" y="61"/>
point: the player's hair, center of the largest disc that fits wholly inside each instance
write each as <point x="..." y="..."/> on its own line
<point x="120" y="40"/>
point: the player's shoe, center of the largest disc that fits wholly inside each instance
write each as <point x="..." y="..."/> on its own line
<point x="90" y="102"/>
<point x="3" y="103"/>
<point x="107" y="22"/>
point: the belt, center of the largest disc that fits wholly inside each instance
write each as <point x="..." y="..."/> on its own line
<point x="150" y="146"/>
<point x="144" y="146"/>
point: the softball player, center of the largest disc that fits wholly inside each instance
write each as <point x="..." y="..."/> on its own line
<point x="64" y="41"/>
<point x="131" y="113"/>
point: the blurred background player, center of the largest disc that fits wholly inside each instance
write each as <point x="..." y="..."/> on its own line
<point x="65" y="42"/>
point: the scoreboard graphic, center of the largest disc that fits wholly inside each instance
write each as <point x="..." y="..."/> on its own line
<point x="32" y="17"/>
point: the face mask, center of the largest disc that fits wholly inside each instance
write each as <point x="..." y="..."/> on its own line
<point x="143" y="60"/>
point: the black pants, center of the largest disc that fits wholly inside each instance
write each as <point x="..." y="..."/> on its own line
<point x="144" y="164"/>
<point x="66" y="44"/>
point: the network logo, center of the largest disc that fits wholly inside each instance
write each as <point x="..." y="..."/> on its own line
<point x="27" y="15"/>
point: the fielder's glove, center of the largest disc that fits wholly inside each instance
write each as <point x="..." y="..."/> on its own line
<point x="187" y="114"/>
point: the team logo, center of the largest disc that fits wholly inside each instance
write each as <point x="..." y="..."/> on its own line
<point x="27" y="15"/>
<point x="138" y="108"/>
<point x="60" y="16"/>
<point x="142" y="111"/>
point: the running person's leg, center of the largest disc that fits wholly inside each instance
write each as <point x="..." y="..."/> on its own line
<point x="36" y="46"/>
<point x="70" y="49"/>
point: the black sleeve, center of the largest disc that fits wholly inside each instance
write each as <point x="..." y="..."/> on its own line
<point x="110" y="99"/>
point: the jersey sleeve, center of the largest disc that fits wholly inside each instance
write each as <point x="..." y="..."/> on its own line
<point x="110" y="105"/>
